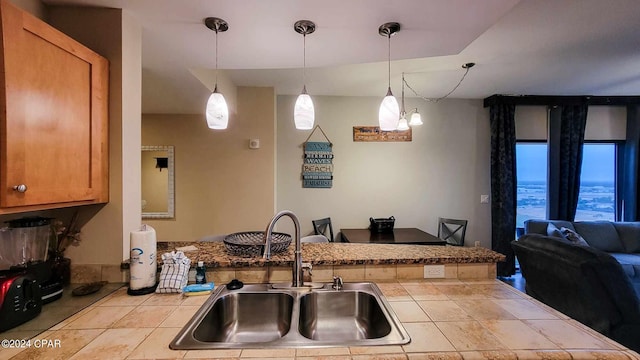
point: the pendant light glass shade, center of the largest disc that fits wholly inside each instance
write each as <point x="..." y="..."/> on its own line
<point x="217" y="111"/>
<point x="403" y="124"/>
<point x="303" y="112"/>
<point x="389" y="113"/>
<point x="415" y="119"/>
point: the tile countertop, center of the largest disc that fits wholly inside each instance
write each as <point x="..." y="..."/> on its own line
<point x="446" y="319"/>
<point x="214" y="254"/>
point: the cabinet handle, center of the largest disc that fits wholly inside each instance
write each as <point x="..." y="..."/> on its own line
<point x="20" y="188"/>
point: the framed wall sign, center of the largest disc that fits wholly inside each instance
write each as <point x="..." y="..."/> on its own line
<point x="373" y="133"/>
<point x="317" y="167"/>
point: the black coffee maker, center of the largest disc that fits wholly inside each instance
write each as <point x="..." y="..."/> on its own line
<point x="24" y="272"/>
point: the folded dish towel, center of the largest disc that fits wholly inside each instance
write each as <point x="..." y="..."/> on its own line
<point x="175" y="272"/>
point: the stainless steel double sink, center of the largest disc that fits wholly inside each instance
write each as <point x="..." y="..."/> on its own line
<point x="264" y="315"/>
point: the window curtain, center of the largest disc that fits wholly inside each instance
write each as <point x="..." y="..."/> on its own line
<point x="630" y="166"/>
<point x="566" y="139"/>
<point x="503" y="184"/>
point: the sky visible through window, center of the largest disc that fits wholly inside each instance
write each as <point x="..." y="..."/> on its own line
<point x="597" y="184"/>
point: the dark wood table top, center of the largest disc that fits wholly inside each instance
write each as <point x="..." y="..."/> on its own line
<point x="398" y="236"/>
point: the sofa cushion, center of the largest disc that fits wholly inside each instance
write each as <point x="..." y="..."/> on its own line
<point x="631" y="265"/>
<point x="553" y="230"/>
<point x="536" y="226"/>
<point x="573" y="236"/>
<point x="602" y="235"/>
<point x="629" y="233"/>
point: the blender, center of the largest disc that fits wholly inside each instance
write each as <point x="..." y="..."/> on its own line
<point x="24" y="245"/>
<point x="23" y="270"/>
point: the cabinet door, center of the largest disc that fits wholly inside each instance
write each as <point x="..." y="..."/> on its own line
<point x="53" y="137"/>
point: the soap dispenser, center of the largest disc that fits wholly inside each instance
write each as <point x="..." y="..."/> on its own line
<point x="201" y="273"/>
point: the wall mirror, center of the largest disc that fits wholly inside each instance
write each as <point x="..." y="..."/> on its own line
<point x="157" y="182"/>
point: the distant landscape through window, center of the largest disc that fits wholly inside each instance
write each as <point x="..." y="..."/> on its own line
<point x="596" y="200"/>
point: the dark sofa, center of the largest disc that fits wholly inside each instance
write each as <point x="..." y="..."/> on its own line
<point x="619" y="239"/>
<point x="585" y="283"/>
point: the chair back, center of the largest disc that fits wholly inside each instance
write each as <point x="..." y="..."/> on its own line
<point x="452" y="231"/>
<point x="314" y="239"/>
<point x="321" y="226"/>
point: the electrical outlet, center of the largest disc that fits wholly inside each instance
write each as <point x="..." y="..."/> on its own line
<point x="434" y="271"/>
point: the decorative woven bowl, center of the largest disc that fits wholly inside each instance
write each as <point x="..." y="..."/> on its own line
<point x="251" y="243"/>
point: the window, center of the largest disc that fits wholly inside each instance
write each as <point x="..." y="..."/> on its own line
<point x="531" y="170"/>
<point x="596" y="200"/>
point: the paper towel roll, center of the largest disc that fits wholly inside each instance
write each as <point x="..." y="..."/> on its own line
<point x="143" y="265"/>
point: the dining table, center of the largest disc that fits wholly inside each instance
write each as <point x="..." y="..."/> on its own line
<point x="412" y="236"/>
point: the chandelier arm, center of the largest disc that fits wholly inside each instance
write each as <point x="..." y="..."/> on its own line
<point x="440" y="98"/>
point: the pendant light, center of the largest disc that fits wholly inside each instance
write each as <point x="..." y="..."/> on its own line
<point x="303" y="111"/>
<point x="416" y="119"/>
<point x="403" y="124"/>
<point x="415" y="116"/>
<point x="217" y="111"/>
<point x="389" y="113"/>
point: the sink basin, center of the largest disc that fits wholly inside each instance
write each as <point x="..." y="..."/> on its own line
<point x="264" y="316"/>
<point x="342" y="315"/>
<point x="241" y="317"/>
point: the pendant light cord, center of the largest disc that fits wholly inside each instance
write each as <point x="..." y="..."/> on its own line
<point x="404" y="82"/>
<point x="216" y="85"/>
<point x="389" y="59"/>
<point x="402" y="110"/>
<point x="304" y="61"/>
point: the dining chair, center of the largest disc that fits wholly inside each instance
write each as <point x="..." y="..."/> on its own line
<point x="314" y="239"/>
<point x="452" y="231"/>
<point x="320" y="227"/>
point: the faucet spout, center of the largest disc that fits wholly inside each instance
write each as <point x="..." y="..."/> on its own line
<point x="297" y="273"/>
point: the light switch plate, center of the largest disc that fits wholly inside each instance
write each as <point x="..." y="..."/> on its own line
<point x="484" y="199"/>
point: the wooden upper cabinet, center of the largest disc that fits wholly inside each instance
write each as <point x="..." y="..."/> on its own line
<point x="54" y="117"/>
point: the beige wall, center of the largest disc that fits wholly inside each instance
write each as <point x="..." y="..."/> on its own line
<point x="117" y="36"/>
<point x="221" y="185"/>
<point x="441" y="173"/>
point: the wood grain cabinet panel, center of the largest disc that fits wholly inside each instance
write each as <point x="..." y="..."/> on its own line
<point x="54" y="118"/>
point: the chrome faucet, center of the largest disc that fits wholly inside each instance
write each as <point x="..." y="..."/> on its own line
<point x="297" y="264"/>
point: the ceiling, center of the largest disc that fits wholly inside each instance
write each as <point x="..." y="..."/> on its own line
<point x="532" y="47"/>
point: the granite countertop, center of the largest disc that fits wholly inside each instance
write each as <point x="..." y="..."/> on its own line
<point x="447" y="319"/>
<point x="214" y="254"/>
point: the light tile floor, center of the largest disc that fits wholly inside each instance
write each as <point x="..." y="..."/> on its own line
<point x="447" y="319"/>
